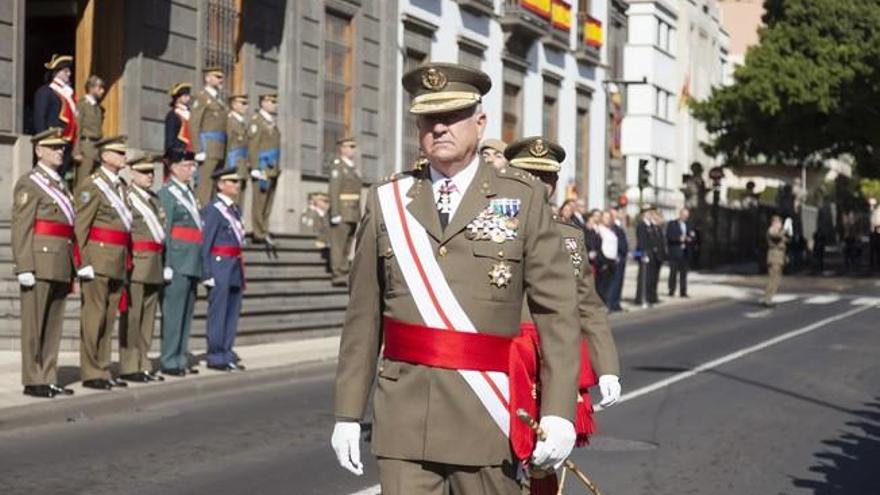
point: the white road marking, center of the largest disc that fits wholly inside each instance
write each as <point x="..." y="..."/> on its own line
<point x="866" y="301"/>
<point x="372" y="490"/>
<point x="784" y="298"/>
<point x="823" y="299"/>
<point x="758" y="314"/>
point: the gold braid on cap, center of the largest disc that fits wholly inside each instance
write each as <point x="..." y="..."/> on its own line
<point x="539" y="164"/>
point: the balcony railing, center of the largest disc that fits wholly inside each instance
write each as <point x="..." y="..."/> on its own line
<point x="528" y="17"/>
<point x="590" y="39"/>
<point x="480" y="7"/>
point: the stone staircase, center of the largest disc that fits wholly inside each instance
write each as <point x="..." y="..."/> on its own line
<point x="287" y="297"/>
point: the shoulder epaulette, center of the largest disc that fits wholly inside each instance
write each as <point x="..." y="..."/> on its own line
<point x="517" y="175"/>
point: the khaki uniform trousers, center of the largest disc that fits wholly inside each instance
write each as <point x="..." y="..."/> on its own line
<point x="136" y="328"/>
<point x="774" y="277"/>
<point x="207" y="186"/>
<point x="400" y="477"/>
<point x="87" y="166"/>
<point x="42" y="319"/>
<point x="341" y="240"/>
<point x="100" y="306"/>
<point x="262" y="207"/>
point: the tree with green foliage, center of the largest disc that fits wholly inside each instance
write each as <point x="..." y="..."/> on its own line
<point x="809" y="90"/>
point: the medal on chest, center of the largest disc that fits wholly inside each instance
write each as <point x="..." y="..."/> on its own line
<point x="500" y="275"/>
<point x="497" y="223"/>
<point x="576" y="259"/>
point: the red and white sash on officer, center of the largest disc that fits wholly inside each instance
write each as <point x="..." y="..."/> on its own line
<point x="116" y="202"/>
<point x="60" y="196"/>
<point x="189" y="204"/>
<point x="237" y="227"/>
<point x="69" y="112"/>
<point x="139" y="203"/>
<point x="436" y="303"/>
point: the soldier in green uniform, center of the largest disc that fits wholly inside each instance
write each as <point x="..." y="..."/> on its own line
<point x="314" y="220"/>
<point x="237" y="142"/>
<point x="91" y="122"/>
<point x="42" y="250"/>
<point x="103" y="232"/>
<point x="542" y="158"/>
<point x="208" y="131"/>
<point x="147" y="275"/>
<point x="264" y="158"/>
<point x="183" y="261"/>
<point x="345" y="208"/>
<point x="777" y="240"/>
<point x="446" y="254"/>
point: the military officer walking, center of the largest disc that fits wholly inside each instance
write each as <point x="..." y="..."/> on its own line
<point x="177" y="135"/>
<point x="91" y="122"/>
<point x="183" y="261"/>
<point x="446" y="255"/>
<point x="777" y="240"/>
<point x="208" y="128"/>
<point x="223" y="270"/>
<point x="55" y="104"/>
<point x="237" y="142"/>
<point x="264" y="151"/>
<point x="345" y="209"/>
<point x="103" y="232"/>
<point x="42" y="249"/>
<point x="147" y="275"/>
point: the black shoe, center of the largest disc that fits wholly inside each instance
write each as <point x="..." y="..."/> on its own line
<point x="116" y="382"/>
<point x="59" y="390"/>
<point x="98" y="384"/>
<point x="173" y="372"/>
<point x="139" y="377"/>
<point x="236" y="367"/>
<point x="41" y="391"/>
<point x="219" y="367"/>
<point x="671" y="293"/>
<point x="340" y="283"/>
<point x="684" y="296"/>
<point x="193" y="370"/>
<point x="153" y="377"/>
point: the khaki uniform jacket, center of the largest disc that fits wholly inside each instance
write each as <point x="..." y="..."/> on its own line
<point x="312" y="222"/>
<point x="90" y="121"/>
<point x="345" y="192"/>
<point x="776" y="242"/>
<point x="237" y="137"/>
<point x="148" y="265"/>
<point x="48" y="257"/>
<point x="430" y="414"/>
<point x="208" y="115"/>
<point x="93" y="209"/>
<point x="263" y="135"/>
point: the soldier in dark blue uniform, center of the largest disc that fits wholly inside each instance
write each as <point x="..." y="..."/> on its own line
<point x="55" y="104"/>
<point x="223" y="268"/>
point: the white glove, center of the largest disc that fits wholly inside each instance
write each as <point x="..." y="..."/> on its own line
<point x="86" y="272"/>
<point x="553" y="451"/>
<point x="168" y="273"/>
<point x="200" y="156"/>
<point x="335" y="220"/>
<point x="209" y="283"/>
<point x="346" y="442"/>
<point x="609" y="386"/>
<point x="27" y="279"/>
<point x="258" y="175"/>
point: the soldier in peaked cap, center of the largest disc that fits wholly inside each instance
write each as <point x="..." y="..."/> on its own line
<point x="345" y="208"/>
<point x="103" y="233"/>
<point x="55" y="104"/>
<point x="480" y="240"/>
<point x="147" y="274"/>
<point x="208" y="129"/>
<point x="42" y="249"/>
<point x="91" y="120"/>
<point x="237" y="142"/>
<point x="223" y="266"/>
<point x="542" y="158"/>
<point x="264" y="158"/>
<point x="177" y="135"/>
<point x="183" y="259"/>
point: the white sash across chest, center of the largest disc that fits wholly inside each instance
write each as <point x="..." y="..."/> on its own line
<point x="434" y="298"/>
<point x="150" y="218"/>
<point x="189" y="205"/>
<point x="66" y="92"/>
<point x="116" y="202"/>
<point x="60" y="197"/>
<point x="237" y="227"/>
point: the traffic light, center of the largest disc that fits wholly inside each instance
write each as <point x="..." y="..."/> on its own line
<point x="644" y="174"/>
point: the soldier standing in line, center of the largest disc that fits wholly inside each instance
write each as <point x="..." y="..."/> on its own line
<point x="177" y="135"/>
<point x="345" y="209"/>
<point x="183" y="261"/>
<point x="42" y="249"/>
<point x="91" y="122"/>
<point x="777" y="240"/>
<point x="492" y="151"/>
<point x="237" y="142"/>
<point x="543" y="158"/>
<point x="314" y="219"/>
<point x="55" y="104"/>
<point x="103" y="232"/>
<point x="264" y="152"/>
<point x="481" y="240"/>
<point x="223" y="270"/>
<point x="147" y="276"/>
<point x="208" y="128"/>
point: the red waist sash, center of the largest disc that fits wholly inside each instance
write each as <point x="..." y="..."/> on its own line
<point x="228" y="251"/>
<point x="147" y="246"/>
<point x="187" y="234"/>
<point x="110" y="236"/>
<point x="53" y="229"/>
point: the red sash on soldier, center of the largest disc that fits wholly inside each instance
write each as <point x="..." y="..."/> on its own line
<point x="183" y="135"/>
<point x="68" y="112"/>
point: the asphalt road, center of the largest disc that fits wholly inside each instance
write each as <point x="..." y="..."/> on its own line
<point x="801" y="416"/>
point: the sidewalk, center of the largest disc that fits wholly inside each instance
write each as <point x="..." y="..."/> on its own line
<point x="261" y="360"/>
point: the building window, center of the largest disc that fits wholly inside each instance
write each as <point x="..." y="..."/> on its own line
<point x="338" y="69"/>
<point x="665" y="34"/>
<point x="511" y="119"/>
<point x="220" y="39"/>
<point x="550" y="118"/>
<point x="411" y="60"/>
<point x="470" y="56"/>
<point x="582" y="150"/>
<point x="584" y="6"/>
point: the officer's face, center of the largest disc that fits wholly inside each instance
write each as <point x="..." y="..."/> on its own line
<point x="184" y="98"/>
<point x="113" y="159"/>
<point x="269" y="106"/>
<point x="228" y="188"/>
<point x="214" y="80"/>
<point x="63" y="74"/>
<point x="240" y="106"/>
<point x="452" y="136"/>
<point x="52" y="156"/>
<point x="98" y="91"/>
<point x="347" y="150"/>
<point x="184" y="170"/>
<point x="142" y="179"/>
<point x="494" y="157"/>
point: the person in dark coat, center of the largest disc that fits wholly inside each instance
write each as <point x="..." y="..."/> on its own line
<point x="616" y="289"/>
<point x="177" y="136"/>
<point x="55" y="105"/>
<point x="645" y="255"/>
<point x="679" y="239"/>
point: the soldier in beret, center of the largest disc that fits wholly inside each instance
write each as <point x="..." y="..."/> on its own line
<point x="345" y="208"/>
<point x="445" y="257"/>
<point x="42" y="250"/>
